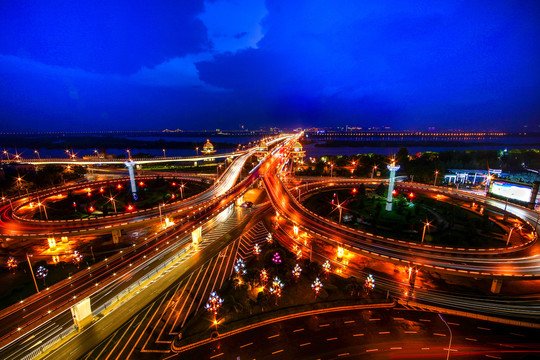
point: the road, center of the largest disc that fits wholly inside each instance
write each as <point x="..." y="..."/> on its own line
<point x="374" y="334"/>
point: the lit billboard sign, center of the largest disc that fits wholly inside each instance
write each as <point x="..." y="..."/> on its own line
<point x="511" y="191"/>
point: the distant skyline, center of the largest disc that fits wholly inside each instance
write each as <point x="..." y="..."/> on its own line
<point x="194" y="64"/>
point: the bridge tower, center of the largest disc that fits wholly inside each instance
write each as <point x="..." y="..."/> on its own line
<point x="130" y="165"/>
<point x="393" y="168"/>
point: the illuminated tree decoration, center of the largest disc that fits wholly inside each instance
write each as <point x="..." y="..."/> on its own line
<point x="269" y="237"/>
<point x="240" y="267"/>
<point x="77" y="258"/>
<point x="264" y="276"/>
<point x="297" y="271"/>
<point x="256" y="249"/>
<point x="42" y="273"/>
<point x="11" y="263"/>
<point x="317" y="286"/>
<point x="276" y="287"/>
<point x="369" y="284"/>
<point x="326" y="266"/>
<point x="276" y="258"/>
<point x="214" y="303"/>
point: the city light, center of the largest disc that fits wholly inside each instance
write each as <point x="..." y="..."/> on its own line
<point x="240" y="267"/>
<point x="297" y="271"/>
<point x="42" y="273"/>
<point x="317" y="286"/>
<point x="264" y="276"/>
<point x="276" y="259"/>
<point x="256" y="249"/>
<point x="275" y="288"/>
<point x="369" y="285"/>
<point x="11" y="263"/>
<point x="326" y="266"/>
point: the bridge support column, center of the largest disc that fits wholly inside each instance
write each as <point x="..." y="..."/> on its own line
<point x="496" y="286"/>
<point x="116" y="234"/>
<point x="393" y="168"/>
<point x="196" y="236"/>
<point x="130" y="165"/>
<point x="82" y="313"/>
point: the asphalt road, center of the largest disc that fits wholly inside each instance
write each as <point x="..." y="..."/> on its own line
<point x="374" y="334"/>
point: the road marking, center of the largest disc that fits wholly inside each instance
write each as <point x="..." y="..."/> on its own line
<point x="374" y="319"/>
<point x="305" y="344"/>
<point x="323" y="325"/>
<point x="384" y="332"/>
<point x="358" y="335"/>
<point x="483" y="328"/>
<point x="215" y="356"/>
<point x="425" y="320"/>
<point x="273" y="336"/>
<point x="451" y="323"/>
<point x="348" y="322"/>
<point x="396" y="348"/>
<point x="344" y="354"/>
<point x="493" y="356"/>
<point x="243" y="346"/>
<point x="425" y="348"/>
<point x="297" y="330"/>
<point x="516" y="334"/>
<point x="471" y="339"/>
<point x="439" y="334"/>
<point x="277" y="352"/>
<point x="410" y="332"/>
<point x="330" y="339"/>
<point x="398" y="318"/>
<point x="370" y="350"/>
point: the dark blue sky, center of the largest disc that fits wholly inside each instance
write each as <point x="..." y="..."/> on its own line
<point x="193" y="64"/>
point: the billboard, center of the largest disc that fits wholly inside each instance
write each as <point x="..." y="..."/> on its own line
<point x="511" y="191"/>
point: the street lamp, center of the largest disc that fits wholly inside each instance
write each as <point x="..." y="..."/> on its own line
<point x="164" y="155"/>
<point x="331" y="170"/>
<point x="129" y="153"/>
<point x="373" y="170"/>
<point x="317" y="286"/>
<point x="37" y="152"/>
<point x="510" y="233"/>
<point x="426" y="225"/>
<point x="435" y="181"/>
<point x="182" y="190"/>
<point x="276" y="287"/>
<point x="213" y="305"/>
<point x="197" y="150"/>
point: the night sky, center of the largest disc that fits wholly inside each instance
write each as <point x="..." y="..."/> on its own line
<point x="193" y="64"/>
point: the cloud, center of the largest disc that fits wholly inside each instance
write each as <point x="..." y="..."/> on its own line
<point x="105" y="37"/>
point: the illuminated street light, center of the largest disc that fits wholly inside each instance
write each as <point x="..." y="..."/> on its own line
<point x="317" y="286"/>
<point x="435" y="181"/>
<point x="510" y="233"/>
<point x="269" y="238"/>
<point x="164" y="155"/>
<point x="326" y="267"/>
<point x="264" y="277"/>
<point x="37" y="152"/>
<point x="373" y="170"/>
<point x="426" y="225"/>
<point x="77" y="258"/>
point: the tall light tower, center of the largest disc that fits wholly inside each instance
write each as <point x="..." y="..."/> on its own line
<point x="393" y="168"/>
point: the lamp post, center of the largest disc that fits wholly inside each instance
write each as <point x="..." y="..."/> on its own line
<point x="197" y="150"/>
<point x="37" y="152"/>
<point x="373" y="170"/>
<point x="450" y="342"/>
<point x="160" y="216"/>
<point x="435" y="181"/>
<point x="510" y="234"/>
<point x="164" y="155"/>
<point x="129" y="154"/>
<point x="331" y="170"/>
<point x="182" y="191"/>
<point x="426" y="224"/>
<point x="32" y="271"/>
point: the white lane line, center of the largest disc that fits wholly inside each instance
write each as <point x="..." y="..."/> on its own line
<point x="493" y="356"/>
<point x="358" y="335"/>
<point x="245" y="345"/>
<point x="374" y="319"/>
<point x="371" y="350"/>
<point x="515" y="334"/>
<point x="344" y="354"/>
<point x="410" y="332"/>
<point x="426" y="348"/>
<point x="398" y="318"/>
<point x="323" y="325"/>
<point x="396" y="348"/>
<point x="438" y="334"/>
<point x="305" y="344"/>
<point x="215" y="356"/>
<point x="384" y="332"/>
<point x="330" y="339"/>
<point x="425" y="320"/>
<point x="349" y="322"/>
<point x="277" y="352"/>
<point x="273" y="336"/>
<point x="451" y="323"/>
<point x="297" y="330"/>
<point x="471" y="339"/>
<point x="483" y="328"/>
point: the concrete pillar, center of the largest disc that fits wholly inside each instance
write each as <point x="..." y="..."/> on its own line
<point x="393" y="168"/>
<point x="196" y="235"/>
<point x="496" y="286"/>
<point x="130" y="165"/>
<point x="82" y="313"/>
<point x="116" y="234"/>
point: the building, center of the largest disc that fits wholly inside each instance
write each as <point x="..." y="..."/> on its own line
<point x="208" y="148"/>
